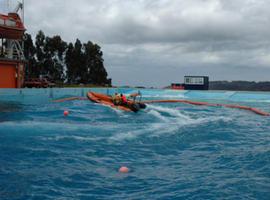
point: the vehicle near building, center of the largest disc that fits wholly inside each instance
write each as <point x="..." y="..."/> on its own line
<point x="38" y="83"/>
<point x="177" y="86"/>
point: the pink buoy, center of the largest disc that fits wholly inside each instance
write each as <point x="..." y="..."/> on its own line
<point x="123" y="169"/>
<point x="66" y="113"/>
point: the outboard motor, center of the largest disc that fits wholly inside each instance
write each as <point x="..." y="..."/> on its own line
<point x="135" y="107"/>
<point x="142" y="105"/>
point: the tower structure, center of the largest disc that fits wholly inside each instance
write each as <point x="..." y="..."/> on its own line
<point x="12" y="59"/>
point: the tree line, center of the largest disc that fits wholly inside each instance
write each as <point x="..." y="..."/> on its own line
<point x="240" y="85"/>
<point x="64" y="62"/>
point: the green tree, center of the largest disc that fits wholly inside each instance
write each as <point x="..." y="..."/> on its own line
<point x="40" y="43"/>
<point x="29" y="54"/>
<point x="70" y="64"/>
<point x="54" y="49"/>
<point x="75" y="63"/>
<point x="79" y="62"/>
<point x="97" y="73"/>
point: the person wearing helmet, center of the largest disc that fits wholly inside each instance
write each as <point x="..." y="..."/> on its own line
<point x="116" y="98"/>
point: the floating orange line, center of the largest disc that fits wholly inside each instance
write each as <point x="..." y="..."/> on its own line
<point x="197" y="103"/>
<point x="255" y="110"/>
<point x="69" y="99"/>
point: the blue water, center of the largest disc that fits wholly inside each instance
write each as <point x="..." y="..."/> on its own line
<point x="174" y="151"/>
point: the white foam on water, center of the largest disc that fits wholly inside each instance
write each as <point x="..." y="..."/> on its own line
<point x="158" y="115"/>
<point x="62" y="125"/>
<point x="257" y="101"/>
<point x="170" y="111"/>
<point x="119" y="112"/>
<point x="126" y="136"/>
<point x="165" y="124"/>
<point x="70" y="137"/>
<point x="176" y="120"/>
<point x="147" y="129"/>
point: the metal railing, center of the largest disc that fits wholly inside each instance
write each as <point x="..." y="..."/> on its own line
<point x="15" y="52"/>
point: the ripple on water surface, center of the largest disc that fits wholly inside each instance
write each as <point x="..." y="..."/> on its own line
<point x="174" y="151"/>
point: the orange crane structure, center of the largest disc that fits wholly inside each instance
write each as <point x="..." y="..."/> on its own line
<point x="12" y="60"/>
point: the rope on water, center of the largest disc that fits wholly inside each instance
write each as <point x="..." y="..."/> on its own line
<point x="255" y="110"/>
<point x="69" y="99"/>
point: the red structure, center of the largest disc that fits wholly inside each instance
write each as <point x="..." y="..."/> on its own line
<point x="177" y="86"/>
<point x="12" y="59"/>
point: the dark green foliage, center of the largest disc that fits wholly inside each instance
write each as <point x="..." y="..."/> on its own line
<point x="75" y="64"/>
<point x="70" y="63"/>
<point x="29" y="53"/>
<point x="54" y="49"/>
<point x="40" y="40"/>
<point x="88" y="66"/>
<point x="95" y="70"/>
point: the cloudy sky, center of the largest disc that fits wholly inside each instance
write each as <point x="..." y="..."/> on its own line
<point x="156" y="42"/>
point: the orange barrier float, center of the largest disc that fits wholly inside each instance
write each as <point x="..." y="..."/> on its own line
<point x="106" y="100"/>
<point x="66" y="113"/>
<point x="255" y="110"/>
<point x="69" y="99"/>
<point x="123" y="169"/>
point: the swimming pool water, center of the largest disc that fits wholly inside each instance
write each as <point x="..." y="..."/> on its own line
<point x="174" y="151"/>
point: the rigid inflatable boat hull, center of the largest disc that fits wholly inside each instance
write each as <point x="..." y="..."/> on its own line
<point x="107" y="100"/>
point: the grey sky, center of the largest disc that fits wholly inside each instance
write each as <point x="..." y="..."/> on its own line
<point x="156" y="42"/>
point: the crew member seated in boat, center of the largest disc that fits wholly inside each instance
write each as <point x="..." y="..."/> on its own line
<point x="123" y="99"/>
<point x="116" y="98"/>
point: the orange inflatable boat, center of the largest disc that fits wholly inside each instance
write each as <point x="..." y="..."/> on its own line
<point x="107" y="100"/>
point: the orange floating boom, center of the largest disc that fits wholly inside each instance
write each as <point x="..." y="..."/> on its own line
<point x="255" y="110"/>
<point x="69" y="99"/>
<point x="197" y="103"/>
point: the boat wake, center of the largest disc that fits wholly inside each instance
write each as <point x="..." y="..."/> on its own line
<point x="166" y="121"/>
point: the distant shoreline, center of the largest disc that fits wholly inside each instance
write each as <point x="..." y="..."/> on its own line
<point x="240" y="85"/>
<point x="213" y="85"/>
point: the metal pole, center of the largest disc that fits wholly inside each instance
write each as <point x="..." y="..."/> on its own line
<point x="23" y="24"/>
<point x="23" y="11"/>
<point x="7" y="6"/>
<point x="2" y="47"/>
